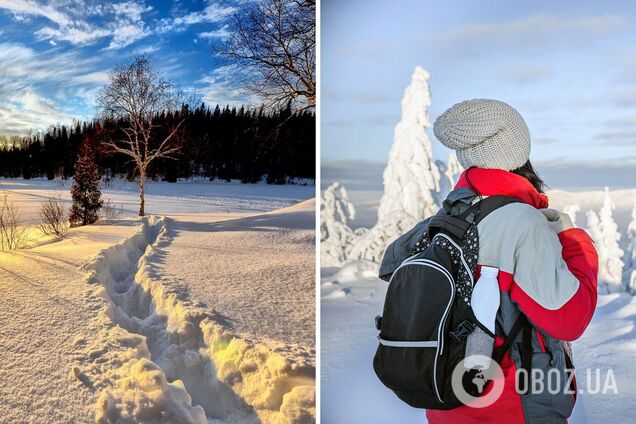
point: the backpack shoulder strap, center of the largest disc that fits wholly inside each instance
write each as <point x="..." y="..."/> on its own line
<point x="458" y="225"/>
<point x="484" y="207"/>
<point x="521" y="325"/>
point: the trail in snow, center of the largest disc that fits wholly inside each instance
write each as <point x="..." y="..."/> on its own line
<point x="149" y="365"/>
<point x="150" y="331"/>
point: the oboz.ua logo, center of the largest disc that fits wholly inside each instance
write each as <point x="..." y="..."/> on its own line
<point x="470" y="383"/>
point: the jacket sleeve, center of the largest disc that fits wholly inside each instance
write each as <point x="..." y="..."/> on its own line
<point x="555" y="280"/>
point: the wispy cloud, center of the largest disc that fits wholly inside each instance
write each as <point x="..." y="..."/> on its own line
<point x="212" y="13"/>
<point x="219" y="33"/>
<point x="537" y="32"/>
<point x="221" y="86"/>
<point x="122" y="23"/>
<point x="24" y="74"/>
<point x="21" y="8"/>
<point x="52" y="68"/>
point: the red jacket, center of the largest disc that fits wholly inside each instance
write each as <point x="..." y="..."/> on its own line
<point x="550" y="277"/>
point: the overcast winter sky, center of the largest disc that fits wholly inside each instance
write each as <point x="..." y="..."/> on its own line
<point x="55" y="55"/>
<point x="569" y="67"/>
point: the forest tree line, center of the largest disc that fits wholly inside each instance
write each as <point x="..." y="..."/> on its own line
<point x="220" y="143"/>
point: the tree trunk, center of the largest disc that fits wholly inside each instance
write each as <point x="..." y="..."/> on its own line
<point x="142" y="186"/>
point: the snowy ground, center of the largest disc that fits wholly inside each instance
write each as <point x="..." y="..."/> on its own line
<point x="41" y="312"/>
<point x="278" y="279"/>
<point x="130" y="335"/>
<point x="352" y="296"/>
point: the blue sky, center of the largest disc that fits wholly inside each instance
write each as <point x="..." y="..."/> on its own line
<point x="55" y="55"/>
<point x="569" y="67"/>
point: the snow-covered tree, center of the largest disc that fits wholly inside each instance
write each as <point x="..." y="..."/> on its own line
<point x="411" y="178"/>
<point x="87" y="197"/>
<point x="572" y="210"/>
<point x="452" y="169"/>
<point x="604" y="232"/>
<point x="335" y="234"/>
<point x="630" y="260"/>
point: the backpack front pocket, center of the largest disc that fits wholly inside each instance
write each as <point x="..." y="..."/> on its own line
<point x="409" y="356"/>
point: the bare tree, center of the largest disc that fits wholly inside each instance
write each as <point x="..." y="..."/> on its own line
<point x="12" y="234"/>
<point x="274" y="45"/>
<point x="135" y="96"/>
<point x="53" y="217"/>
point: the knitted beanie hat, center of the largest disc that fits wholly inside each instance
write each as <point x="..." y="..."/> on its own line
<point x="485" y="133"/>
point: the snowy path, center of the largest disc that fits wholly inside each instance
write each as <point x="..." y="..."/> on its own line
<point x="353" y="296"/>
<point x="149" y="329"/>
<point x="41" y="313"/>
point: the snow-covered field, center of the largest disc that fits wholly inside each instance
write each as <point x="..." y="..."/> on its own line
<point x="189" y="197"/>
<point x="142" y="320"/>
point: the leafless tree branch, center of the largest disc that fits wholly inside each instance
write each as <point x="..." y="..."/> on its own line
<point x="274" y="45"/>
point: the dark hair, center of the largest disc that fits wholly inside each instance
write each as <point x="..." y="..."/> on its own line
<point x="528" y="172"/>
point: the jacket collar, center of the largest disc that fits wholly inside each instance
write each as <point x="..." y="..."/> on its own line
<point x="493" y="182"/>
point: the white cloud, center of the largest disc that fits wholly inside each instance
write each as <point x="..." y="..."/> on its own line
<point x="128" y="34"/>
<point x="211" y="13"/>
<point x="132" y="10"/>
<point x="219" y="33"/>
<point x="221" y="87"/>
<point x="25" y="7"/>
<point x="79" y="34"/>
<point x="25" y="75"/>
<point x="68" y="21"/>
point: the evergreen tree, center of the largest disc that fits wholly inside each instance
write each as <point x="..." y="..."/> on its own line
<point x="87" y="197"/>
<point x="335" y="234"/>
<point x="411" y="177"/>
<point x="604" y="232"/>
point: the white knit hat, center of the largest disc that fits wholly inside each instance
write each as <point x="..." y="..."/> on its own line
<point x="485" y="133"/>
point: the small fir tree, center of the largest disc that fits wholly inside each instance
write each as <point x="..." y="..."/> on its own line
<point x="87" y="197"/>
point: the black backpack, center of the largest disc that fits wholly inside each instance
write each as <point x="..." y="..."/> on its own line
<point x="427" y="315"/>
